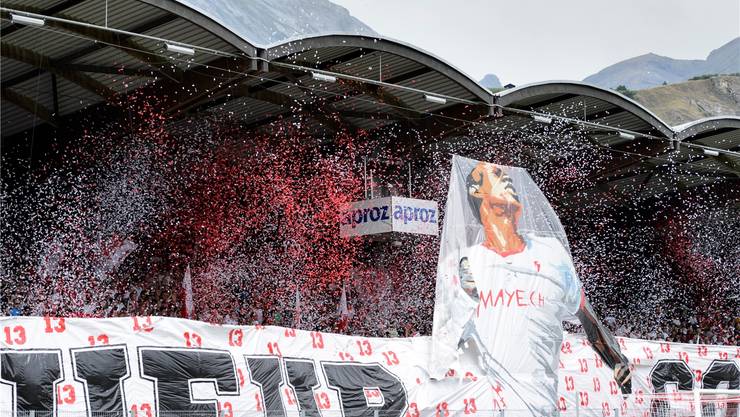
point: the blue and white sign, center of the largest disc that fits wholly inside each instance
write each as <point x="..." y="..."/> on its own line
<point x="390" y="214"/>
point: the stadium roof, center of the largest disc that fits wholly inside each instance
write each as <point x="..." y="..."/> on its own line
<point x="645" y="161"/>
<point x="87" y="53"/>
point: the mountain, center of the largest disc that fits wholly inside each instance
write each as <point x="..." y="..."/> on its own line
<point x="726" y="59"/>
<point x="652" y="70"/>
<point x="267" y="22"/>
<point x="692" y="100"/>
<point x="490" y="81"/>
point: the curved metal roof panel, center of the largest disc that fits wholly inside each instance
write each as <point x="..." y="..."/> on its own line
<point x="205" y="21"/>
<point x="302" y="45"/>
<point x="707" y="124"/>
<point x="554" y="88"/>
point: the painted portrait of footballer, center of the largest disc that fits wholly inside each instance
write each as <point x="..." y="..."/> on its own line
<point x="510" y="291"/>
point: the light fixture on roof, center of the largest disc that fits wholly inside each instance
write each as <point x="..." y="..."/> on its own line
<point x="711" y="152"/>
<point x="26" y="20"/>
<point x="323" y="77"/>
<point x="626" y="136"/>
<point x="435" y="99"/>
<point x="180" y="49"/>
<point x="542" y="119"/>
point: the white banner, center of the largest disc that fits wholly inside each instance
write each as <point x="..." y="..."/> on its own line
<point x="367" y="217"/>
<point x="411" y="215"/>
<point x="389" y="214"/>
<point x="152" y="366"/>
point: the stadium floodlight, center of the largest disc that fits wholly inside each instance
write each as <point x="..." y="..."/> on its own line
<point x="180" y="49"/>
<point x="542" y="119"/>
<point x="323" y="77"/>
<point x="627" y="136"/>
<point x="711" y="152"/>
<point x="434" y="99"/>
<point x="26" y="20"/>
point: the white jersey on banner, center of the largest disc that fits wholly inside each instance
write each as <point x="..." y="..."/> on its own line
<point x="525" y="296"/>
<point x="505" y="281"/>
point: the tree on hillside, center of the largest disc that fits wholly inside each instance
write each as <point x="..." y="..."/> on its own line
<point x="621" y="89"/>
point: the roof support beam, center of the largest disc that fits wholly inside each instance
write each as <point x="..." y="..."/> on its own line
<point x="203" y="85"/>
<point x="124" y="43"/>
<point x="325" y="65"/>
<point x="330" y="119"/>
<point x="86" y="51"/>
<point x="32" y="58"/>
<point x="31" y="106"/>
<point x="319" y="104"/>
<point x="50" y="11"/>
<point x="395" y="104"/>
<point x="268" y="96"/>
<point x="370" y="115"/>
<point x="729" y="163"/>
<point x="655" y="150"/>
<point x="544" y="103"/>
<point x="646" y="148"/>
<point x="55" y="95"/>
<point x="594" y="117"/>
<point x="100" y="69"/>
<point x="648" y="177"/>
<point x="314" y="109"/>
<point x="660" y="170"/>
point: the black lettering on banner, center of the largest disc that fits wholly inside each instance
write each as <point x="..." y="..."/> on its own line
<point x="721" y="371"/>
<point x="385" y="213"/>
<point x="174" y="370"/>
<point x="264" y="372"/>
<point x="32" y="375"/>
<point x="669" y="371"/>
<point x="302" y="377"/>
<point x="101" y="372"/>
<point x="432" y="216"/>
<point x="375" y="214"/>
<point x="350" y="381"/>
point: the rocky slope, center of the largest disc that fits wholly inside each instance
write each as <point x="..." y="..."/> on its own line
<point x="692" y="100"/>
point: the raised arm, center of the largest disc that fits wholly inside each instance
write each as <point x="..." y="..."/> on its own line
<point x="605" y="345"/>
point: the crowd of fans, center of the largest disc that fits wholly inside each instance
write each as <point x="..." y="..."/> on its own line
<point x="380" y="303"/>
<point x="253" y="218"/>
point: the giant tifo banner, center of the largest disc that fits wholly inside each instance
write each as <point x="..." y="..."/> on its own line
<point x="155" y="366"/>
<point x="505" y="283"/>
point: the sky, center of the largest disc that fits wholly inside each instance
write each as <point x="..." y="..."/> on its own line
<point x="523" y="41"/>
